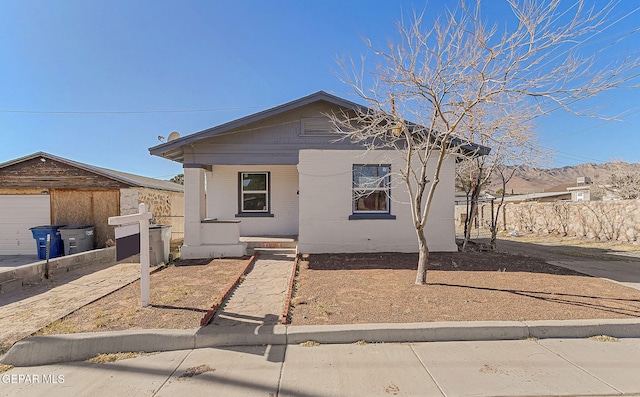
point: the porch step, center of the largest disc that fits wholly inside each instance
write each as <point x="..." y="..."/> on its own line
<point x="263" y="243"/>
<point x="272" y="251"/>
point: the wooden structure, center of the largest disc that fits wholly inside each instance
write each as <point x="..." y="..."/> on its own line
<point x="76" y="194"/>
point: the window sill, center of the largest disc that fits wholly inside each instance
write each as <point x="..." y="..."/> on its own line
<point x="254" y="215"/>
<point x="355" y="217"/>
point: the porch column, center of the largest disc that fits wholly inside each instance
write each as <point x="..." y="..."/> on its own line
<point x="194" y="203"/>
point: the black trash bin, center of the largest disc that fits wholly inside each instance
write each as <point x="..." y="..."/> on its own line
<point x="40" y="233"/>
<point x="77" y="238"/>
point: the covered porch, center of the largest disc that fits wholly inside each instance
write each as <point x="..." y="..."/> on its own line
<point x="233" y="210"/>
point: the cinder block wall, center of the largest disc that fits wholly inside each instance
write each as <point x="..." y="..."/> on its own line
<point x="14" y="279"/>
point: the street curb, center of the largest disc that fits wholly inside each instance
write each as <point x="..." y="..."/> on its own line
<point x="41" y="350"/>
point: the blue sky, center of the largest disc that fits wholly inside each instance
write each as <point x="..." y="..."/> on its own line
<point x="99" y="81"/>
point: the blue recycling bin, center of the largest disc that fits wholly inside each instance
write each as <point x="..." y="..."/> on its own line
<point x="56" y="247"/>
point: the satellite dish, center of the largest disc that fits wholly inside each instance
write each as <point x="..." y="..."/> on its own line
<point x="173" y="136"/>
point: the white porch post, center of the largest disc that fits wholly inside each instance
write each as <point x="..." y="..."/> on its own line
<point x="206" y="238"/>
<point x="194" y="205"/>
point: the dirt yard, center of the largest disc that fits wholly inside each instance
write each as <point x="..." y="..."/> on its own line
<point x="470" y="286"/>
<point x="179" y="297"/>
<point x="370" y="288"/>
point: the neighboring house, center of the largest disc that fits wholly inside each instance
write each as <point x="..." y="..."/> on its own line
<point x="462" y="208"/>
<point x="581" y="191"/>
<point x="43" y="189"/>
<point x="283" y="172"/>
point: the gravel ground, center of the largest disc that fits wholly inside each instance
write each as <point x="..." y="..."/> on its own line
<point x="464" y="286"/>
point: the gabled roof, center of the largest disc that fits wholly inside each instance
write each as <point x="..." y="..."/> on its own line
<point x="123" y="177"/>
<point x="173" y="150"/>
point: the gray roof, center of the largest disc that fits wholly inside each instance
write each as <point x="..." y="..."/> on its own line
<point x="535" y="196"/>
<point x="173" y="150"/>
<point x="123" y="177"/>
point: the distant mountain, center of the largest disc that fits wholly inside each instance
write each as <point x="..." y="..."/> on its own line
<point x="538" y="180"/>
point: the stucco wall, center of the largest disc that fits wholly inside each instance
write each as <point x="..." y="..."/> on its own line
<point x="325" y="207"/>
<point x="222" y="199"/>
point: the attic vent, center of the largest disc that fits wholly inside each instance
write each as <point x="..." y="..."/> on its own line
<point x="316" y="126"/>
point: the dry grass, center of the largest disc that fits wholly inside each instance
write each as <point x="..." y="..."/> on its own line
<point x="111" y="357"/>
<point x="310" y="343"/>
<point x="58" y="327"/>
<point x="5" y="368"/>
<point x="195" y="371"/>
<point x="179" y="298"/>
<point x="605" y="338"/>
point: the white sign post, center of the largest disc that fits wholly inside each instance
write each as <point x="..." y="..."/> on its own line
<point x="142" y="217"/>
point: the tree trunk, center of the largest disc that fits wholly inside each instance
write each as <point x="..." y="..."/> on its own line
<point x="475" y="195"/>
<point x="423" y="258"/>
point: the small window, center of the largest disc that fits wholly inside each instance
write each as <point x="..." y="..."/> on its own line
<point x="254" y="192"/>
<point x="371" y="189"/>
<point x="579" y="196"/>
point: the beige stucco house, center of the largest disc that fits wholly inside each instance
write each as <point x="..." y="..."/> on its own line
<point x="282" y="172"/>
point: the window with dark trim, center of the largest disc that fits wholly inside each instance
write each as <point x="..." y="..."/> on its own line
<point x="371" y="192"/>
<point x="254" y="194"/>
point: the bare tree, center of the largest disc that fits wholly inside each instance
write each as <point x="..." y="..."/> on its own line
<point x="458" y="72"/>
<point x="512" y="142"/>
<point x="624" y="186"/>
<point x="627" y="186"/>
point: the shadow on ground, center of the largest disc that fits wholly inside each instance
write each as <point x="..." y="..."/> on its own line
<point x="558" y="251"/>
<point x="445" y="261"/>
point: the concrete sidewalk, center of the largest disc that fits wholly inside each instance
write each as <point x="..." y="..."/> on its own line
<point x="619" y="267"/>
<point x="584" y="367"/>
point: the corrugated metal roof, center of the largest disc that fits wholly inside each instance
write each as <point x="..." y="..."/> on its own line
<point x="535" y="196"/>
<point x="129" y="179"/>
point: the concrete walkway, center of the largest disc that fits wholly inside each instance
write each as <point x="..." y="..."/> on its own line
<point x="260" y="298"/>
<point x="25" y="312"/>
<point x="584" y="367"/>
<point x="593" y="262"/>
<point x="623" y="272"/>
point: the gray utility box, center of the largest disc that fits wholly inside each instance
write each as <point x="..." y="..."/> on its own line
<point x="77" y="238"/>
<point x="159" y="244"/>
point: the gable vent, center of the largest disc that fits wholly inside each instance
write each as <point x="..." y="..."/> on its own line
<point x="316" y="126"/>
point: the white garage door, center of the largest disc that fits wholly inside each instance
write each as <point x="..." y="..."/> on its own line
<point x="17" y="215"/>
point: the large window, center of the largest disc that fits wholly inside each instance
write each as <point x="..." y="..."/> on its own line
<point x="371" y="189"/>
<point x="254" y="193"/>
